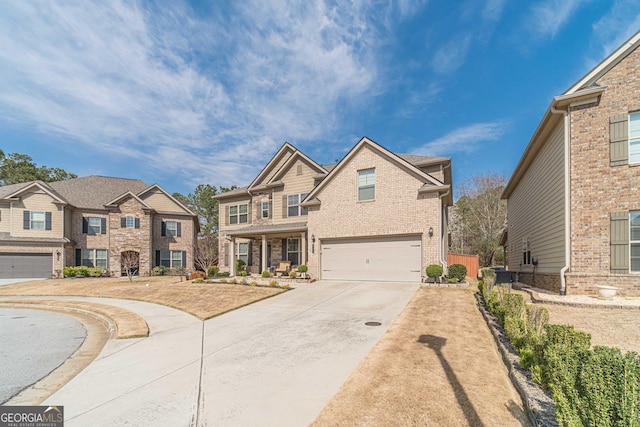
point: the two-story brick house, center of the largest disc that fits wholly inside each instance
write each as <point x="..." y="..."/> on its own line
<point x="574" y="198"/>
<point x="375" y="215"/>
<point x="92" y="221"/>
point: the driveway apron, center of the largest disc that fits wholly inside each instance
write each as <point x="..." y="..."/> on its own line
<point x="273" y="363"/>
<point x="278" y="362"/>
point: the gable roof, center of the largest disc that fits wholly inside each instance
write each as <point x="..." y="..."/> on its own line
<point x="123" y="197"/>
<point x="286" y="149"/>
<point x="290" y="161"/>
<point x="430" y="181"/>
<point x="93" y="192"/>
<point x="162" y="190"/>
<point x="584" y="91"/>
<point x="11" y="191"/>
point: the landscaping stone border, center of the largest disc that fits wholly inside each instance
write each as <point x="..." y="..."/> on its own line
<point x="539" y="404"/>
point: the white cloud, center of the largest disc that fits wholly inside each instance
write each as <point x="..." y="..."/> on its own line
<point x="618" y="25"/>
<point x="493" y="9"/>
<point x="463" y="140"/>
<point x="163" y="86"/>
<point x="548" y="16"/>
<point x="451" y="56"/>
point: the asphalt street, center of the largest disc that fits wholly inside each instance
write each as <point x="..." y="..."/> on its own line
<point x="32" y="344"/>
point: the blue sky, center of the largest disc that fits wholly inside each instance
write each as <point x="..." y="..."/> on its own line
<point x="181" y="93"/>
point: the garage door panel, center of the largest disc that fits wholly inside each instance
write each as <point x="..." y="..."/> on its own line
<point x="390" y="259"/>
<point x="25" y="265"/>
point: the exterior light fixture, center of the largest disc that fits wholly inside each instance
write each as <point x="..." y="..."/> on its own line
<point x="430" y="231"/>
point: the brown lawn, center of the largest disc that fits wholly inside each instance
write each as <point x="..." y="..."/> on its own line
<point x="437" y="365"/>
<point x="204" y="300"/>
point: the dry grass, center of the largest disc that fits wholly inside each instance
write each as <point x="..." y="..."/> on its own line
<point x="436" y="365"/>
<point x="608" y="327"/>
<point x="204" y="300"/>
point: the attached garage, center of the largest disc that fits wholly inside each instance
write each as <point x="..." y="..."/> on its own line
<point x="394" y="259"/>
<point x="25" y="266"/>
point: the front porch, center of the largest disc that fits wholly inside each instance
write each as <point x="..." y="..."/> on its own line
<point x="264" y="248"/>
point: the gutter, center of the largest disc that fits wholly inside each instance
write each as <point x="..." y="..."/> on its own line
<point x="567" y="198"/>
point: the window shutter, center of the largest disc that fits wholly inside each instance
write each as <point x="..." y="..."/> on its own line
<point x="164" y="229"/>
<point x="249" y="210"/>
<point x="250" y="255"/>
<point x="285" y="211"/>
<point x="85" y="225"/>
<point x="226" y="215"/>
<point x="103" y="225"/>
<point x="157" y="258"/>
<point x="47" y="220"/>
<point x="78" y="257"/>
<point x="137" y="222"/>
<point x="123" y="222"/>
<point x="26" y="220"/>
<point x="184" y="258"/>
<point x="619" y="242"/>
<point x="284" y="250"/>
<point x="619" y="139"/>
<point x="225" y="258"/>
<point x="179" y="229"/>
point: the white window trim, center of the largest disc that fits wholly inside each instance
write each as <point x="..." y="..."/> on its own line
<point x="171" y="228"/>
<point x="244" y="254"/>
<point x="238" y="215"/>
<point x="171" y="257"/>
<point x="90" y="228"/>
<point x="300" y="211"/>
<point x="33" y="221"/>
<point x="366" y="185"/>
<point x="130" y="222"/>
<point x="526" y="251"/>
<point x="635" y="139"/>
<point x="262" y="206"/>
<point x="92" y="255"/>
<point x="298" y="251"/>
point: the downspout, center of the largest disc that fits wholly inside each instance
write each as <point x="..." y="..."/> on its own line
<point x="442" y="236"/>
<point x="567" y="199"/>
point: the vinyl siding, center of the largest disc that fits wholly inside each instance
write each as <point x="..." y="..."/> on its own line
<point x="5" y="219"/>
<point x="276" y="167"/>
<point x="37" y="201"/>
<point x="536" y="208"/>
<point x="161" y="203"/>
<point x="293" y="184"/>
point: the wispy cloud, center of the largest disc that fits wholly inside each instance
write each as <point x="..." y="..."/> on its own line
<point x="451" y="55"/>
<point x="156" y="84"/>
<point x="614" y="28"/>
<point x="463" y="140"/>
<point x="549" y="16"/>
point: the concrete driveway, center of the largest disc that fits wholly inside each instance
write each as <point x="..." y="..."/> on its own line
<point x="273" y="363"/>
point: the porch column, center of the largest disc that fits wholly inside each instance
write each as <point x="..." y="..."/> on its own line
<point x="264" y="253"/>
<point x="232" y="257"/>
<point x="303" y="248"/>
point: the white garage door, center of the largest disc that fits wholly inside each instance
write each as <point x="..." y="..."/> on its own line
<point x="396" y="259"/>
<point x="21" y="266"/>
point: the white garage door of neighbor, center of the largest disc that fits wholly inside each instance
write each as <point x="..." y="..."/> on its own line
<point x="25" y="266"/>
<point x="394" y="259"/>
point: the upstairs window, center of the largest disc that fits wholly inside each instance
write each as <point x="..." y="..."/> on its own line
<point x="171" y="229"/>
<point x="129" y="222"/>
<point x="634" y="137"/>
<point x="94" y="225"/>
<point x="293" y="204"/>
<point x="265" y="210"/>
<point x="366" y="184"/>
<point x="36" y="220"/>
<point x="238" y="214"/>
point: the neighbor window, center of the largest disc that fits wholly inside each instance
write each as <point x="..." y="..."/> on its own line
<point x="242" y="251"/>
<point x="171" y="229"/>
<point x="265" y="209"/>
<point x="634" y="137"/>
<point x="94" y="225"/>
<point x="366" y="184"/>
<point x="238" y="214"/>
<point x="634" y="241"/>
<point x="36" y="220"/>
<point x="130" y="222"/>
<point x="526" y="251"/>
<point x="293" y="251"/>
<point x="171" y="259"/>
<point x="94" y="258"/>
<point x="293" y="204"/>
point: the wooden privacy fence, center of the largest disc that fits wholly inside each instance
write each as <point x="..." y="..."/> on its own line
<point x="469" y="261"/>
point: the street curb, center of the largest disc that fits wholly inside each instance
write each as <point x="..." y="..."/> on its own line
<point x="540" y="409"/>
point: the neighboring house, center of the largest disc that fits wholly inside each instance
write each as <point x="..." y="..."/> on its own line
<point x="374" y="215"/>
<point x="574" y="197"/>
<point x="91" y="221"/>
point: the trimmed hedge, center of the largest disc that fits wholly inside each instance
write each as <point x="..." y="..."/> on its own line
<point x="590" y="387"/>
<point x="458" y="271"/>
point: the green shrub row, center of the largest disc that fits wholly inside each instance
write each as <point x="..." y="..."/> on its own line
<point x="82" y="271"/>
<point x="590" y="387"/>
<point x="455" y="272"/>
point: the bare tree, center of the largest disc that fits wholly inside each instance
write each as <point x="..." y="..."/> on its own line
<point x="130" y="263"/>
<point x="206" y="252"/>
<point x="479" y="217"/>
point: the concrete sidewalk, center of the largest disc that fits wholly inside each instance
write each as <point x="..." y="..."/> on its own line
<point x="273" y="363"/>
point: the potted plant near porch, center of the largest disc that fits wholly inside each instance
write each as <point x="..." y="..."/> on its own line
<point x="302" y="269"/>
<point x="434" y="272"/>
